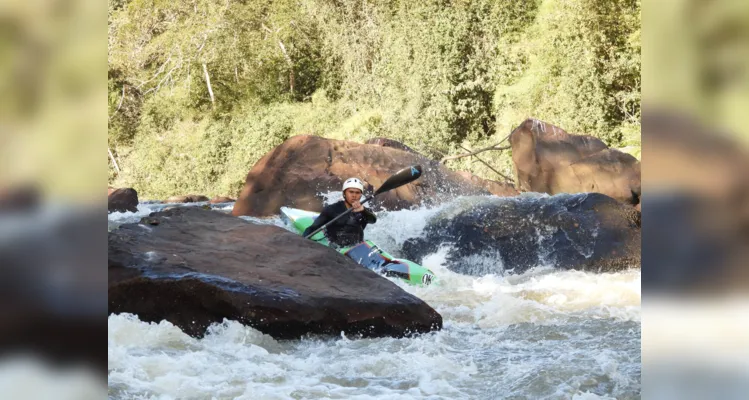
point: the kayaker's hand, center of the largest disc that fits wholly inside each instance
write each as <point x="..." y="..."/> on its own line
<point x="357" y="207"/>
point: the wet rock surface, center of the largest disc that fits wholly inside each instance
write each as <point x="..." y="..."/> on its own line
<point x="590" y="232"/>
<point x="194" y="267"/>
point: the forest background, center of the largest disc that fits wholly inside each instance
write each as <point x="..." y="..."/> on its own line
<point x="199" y="90"/>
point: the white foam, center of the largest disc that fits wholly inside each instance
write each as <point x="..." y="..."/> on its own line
<point x="127" y="216"/>
<point x="541" y="334"/>
<point x="234" y="360"/>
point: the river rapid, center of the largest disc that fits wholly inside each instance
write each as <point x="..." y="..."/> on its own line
<point x="545" y="334"/>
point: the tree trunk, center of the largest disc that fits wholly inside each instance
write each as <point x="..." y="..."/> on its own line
<point x="208" y="83"/>
<point x="290" y="64"/>
<point x="111" y="156"/>
<point x="291" y="80"/>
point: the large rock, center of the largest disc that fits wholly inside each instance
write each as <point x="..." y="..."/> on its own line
<point x="609" y="171"/>
<point x="195" y="267"/>
<point x="589" y="232"/>
<point x="122" y="200"/>
<point x="549" y="160"/>
<point x="300" y="170"/>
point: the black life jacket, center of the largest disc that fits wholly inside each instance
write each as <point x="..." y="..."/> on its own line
<point x="347" y="230"/>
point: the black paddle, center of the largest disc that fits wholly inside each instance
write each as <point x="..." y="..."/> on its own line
<point x="402" y="177"/>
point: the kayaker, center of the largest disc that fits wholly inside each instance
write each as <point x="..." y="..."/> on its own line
<point x="348" y="230"/>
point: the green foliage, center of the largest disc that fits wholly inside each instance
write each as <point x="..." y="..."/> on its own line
<point x="207" y="156"/>
<point x="580" y="70"/>
<point x="124" y="112"/>
<point x="438" y="75"/>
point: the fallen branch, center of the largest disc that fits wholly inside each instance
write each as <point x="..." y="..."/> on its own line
<point x="507" y="180"/>
<point x="164" y="79"/>
<point x="492" y="147"/>
<point x="473" y="153"/>
<point x="286" y="57"/>
<point x="158" y="72"/>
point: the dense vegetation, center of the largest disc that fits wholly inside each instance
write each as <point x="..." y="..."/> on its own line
<point x="441" y="76"/>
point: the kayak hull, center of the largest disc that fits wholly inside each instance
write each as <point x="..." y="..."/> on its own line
<point x="365" y="253"/>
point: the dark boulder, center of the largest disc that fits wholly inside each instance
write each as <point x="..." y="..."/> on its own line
<point x="194" y="267"/>
<point x="590" y="232"/>
<point x="122" y="200"/>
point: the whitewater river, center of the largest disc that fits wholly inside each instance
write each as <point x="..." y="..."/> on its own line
<point x="545" y="334"/>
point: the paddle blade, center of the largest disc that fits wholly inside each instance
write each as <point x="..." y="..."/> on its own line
<point x="402" y="177"/>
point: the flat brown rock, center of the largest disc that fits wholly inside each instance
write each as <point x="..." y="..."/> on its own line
<point x="195" y="267"/>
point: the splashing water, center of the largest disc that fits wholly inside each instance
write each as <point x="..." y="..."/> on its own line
<point x="542" y="334"/>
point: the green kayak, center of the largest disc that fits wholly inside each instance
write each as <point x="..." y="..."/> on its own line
<point x="365" y="253"/>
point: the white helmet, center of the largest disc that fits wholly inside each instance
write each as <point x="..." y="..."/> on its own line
<point x="352" y="183"/>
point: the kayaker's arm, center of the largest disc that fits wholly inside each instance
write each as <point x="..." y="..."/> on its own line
<point x="370" y="215"/>
<point x="321" y="220"/>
